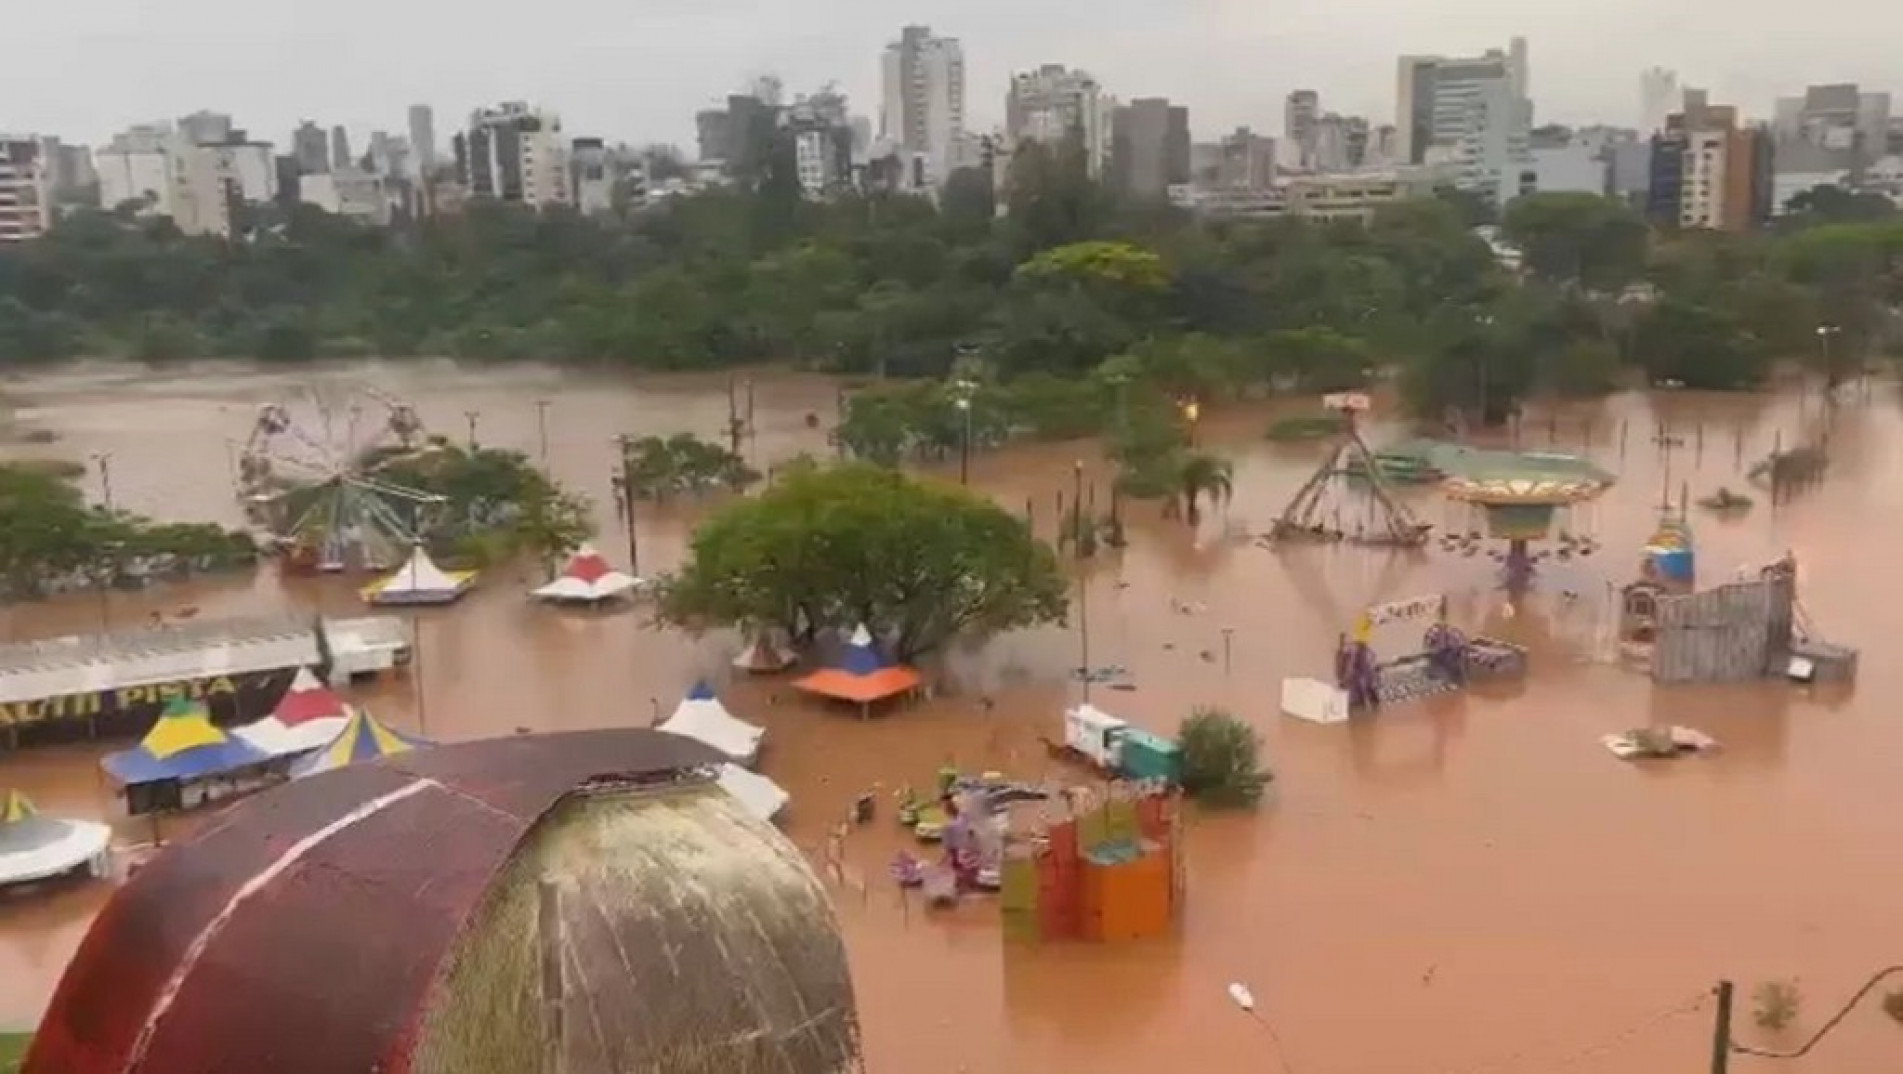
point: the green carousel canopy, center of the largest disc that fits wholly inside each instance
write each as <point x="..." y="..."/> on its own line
<point x="1516" y="478"/>
<point x="1519" y="491"/>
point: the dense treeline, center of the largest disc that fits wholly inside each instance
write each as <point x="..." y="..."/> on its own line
<point x="1063" y="282"/>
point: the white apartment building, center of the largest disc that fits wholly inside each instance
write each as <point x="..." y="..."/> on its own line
<point x="1701" y="200"/>
<point x="1576" y="168"/>
<point x="517" y="154"/>
<point x="26" y="189"/>
<point x="349" y="192"/>
<point x="208" y="180"/>
<point x="590" y="169"/>
<point x="1053" y="103"/>
<point x="923" y="101"/>
<point x="136" y="166"/>
<point x="1659" y="97"/>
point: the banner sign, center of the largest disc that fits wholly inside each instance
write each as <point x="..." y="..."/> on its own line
<point x="230" y="698"/>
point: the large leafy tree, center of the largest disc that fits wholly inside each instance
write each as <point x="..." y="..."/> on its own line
<point x="1594" y="242"/>
<point x="918" y="562"/>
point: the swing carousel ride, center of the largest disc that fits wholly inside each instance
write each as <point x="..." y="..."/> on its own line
<point x="312" y="473"/>
<point x="1520" y="498"/>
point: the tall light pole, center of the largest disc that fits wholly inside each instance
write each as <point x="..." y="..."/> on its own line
<point x="103" y="460"/>
<point x="472" y="416"/>
<point x="624" y="485"/>
<point x="1824" y="332"/>
<point x="1083" y="580"/>
<point x="966" y="391"/>
<point x="541" y="431"/>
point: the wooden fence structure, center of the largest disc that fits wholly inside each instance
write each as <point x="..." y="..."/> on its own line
<point x="1735" y="632"/>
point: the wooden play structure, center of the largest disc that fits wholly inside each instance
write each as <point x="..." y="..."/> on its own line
<point x="1751" y="628"/>
<point x="1446" y="660"/>
<point x="1307" y="516"/>
<point x="1102" y="871"/>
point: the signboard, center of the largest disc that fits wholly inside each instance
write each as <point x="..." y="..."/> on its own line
<point x="130" y="711"/>
<point x="1400" y="611"/>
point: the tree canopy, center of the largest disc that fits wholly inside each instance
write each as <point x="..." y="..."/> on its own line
<point x="1066" y="280"/>
<point x="918" y="562"/>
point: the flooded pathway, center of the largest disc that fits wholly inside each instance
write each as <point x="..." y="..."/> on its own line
<point x="1470" y="884"/>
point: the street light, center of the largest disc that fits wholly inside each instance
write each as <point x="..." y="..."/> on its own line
<point x="541" y="430"/>
<point x="472" y="416"/>
<point x="966" y="390"/>
<point x="103" y="460"/>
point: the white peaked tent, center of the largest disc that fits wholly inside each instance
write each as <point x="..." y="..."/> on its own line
<point x="420" y="581"/>
<point x="701" y="716"/>
<point x="759" y="795"/>
<point x="588" y="579"/>
<point x="763" y="656"/>
<point x="34" y="848"/>
<point x="309" y="716"/>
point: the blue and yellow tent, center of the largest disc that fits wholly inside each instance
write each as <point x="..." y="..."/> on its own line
<point x="183" y="745"/>
<point x="364" y="738"/>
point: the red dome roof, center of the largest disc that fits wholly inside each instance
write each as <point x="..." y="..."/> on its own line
<point x="300" y="932"/>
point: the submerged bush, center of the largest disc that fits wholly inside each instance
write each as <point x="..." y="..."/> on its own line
<point x="1221" y="759"/>
<point x="1776" y="1004"/>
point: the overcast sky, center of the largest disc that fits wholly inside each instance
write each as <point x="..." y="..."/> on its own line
<point x="637" y="70"/>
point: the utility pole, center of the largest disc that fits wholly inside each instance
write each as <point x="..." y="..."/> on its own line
<point x="541" y="431"/>
<point x="734" y="426"/>
<point x="104" y="461"/>
<point x="1083" y="587"/>
<point x="471" y="417"/>
<point x="624" y="484"/>
<point x="1721" y="1031"/>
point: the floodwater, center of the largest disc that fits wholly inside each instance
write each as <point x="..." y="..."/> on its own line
<point x="1468" y="884"/>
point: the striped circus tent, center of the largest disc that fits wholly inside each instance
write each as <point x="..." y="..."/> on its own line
<point x="364" y="738"/>
<point x="184" y="746"/>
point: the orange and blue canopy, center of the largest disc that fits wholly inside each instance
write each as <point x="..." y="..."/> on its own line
<point x="182" y="745"/>
<point x="862" y="676"/>
<point x="364" y="738"/>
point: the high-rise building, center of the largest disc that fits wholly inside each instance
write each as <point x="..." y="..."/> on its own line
<point x="588" y="169"/>
<point x="137" y="167"/>
<point x="1838" y="125"/>
<point x="310" y="148"/>
<point x="1472" y="114"/>
<point x="70" y="174"/>
<point x="1301" y="115"/>
<point x="340" y="148"/>
<point x="1433" y="95"/>
<point x="423" y="138"/>
<point x="1659" y="97"/>
<point x="1708" y="170"/>
<point x="1053" y="103"/>
<point x="1150" y="147"/>
<point x="923" y="102"/>
<point x="820" y="126"/>
<point x="26" y="189"/>
<point x="515" y="153"/>
<point x="205" y="128"/>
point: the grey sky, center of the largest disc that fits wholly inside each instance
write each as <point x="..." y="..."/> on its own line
<point x="637" y="69"/>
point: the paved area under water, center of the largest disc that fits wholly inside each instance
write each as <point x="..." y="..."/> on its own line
<point x="1468" y="884"/>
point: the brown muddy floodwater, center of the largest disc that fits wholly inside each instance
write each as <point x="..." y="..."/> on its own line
<point x="1469" y="884"/>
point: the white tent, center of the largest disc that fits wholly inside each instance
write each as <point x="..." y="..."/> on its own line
<point x="759" y="795"/>
<point x="420" y="581"/>
<point x="588" y="579"/>
<point x="701" y="716"/>
<point x="34" y="848"/>
<point x="309" y="716"/>
<point x="763" y="655"/>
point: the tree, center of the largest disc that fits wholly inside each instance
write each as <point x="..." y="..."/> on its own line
<point x="1202" y="476"/>
<point x="1578" y="239"/>
<point x="1221" y="759"/>
<point x="1698" y="347"/>
<point x="1831" y="204"/>
<point x="497" y="505"/>
<point x="918" y="562"/>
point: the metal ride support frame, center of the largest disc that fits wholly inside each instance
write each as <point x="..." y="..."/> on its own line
<point x="1303" y="518"/>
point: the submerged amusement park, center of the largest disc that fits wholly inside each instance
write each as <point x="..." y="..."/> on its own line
<point x="567" y="723"/>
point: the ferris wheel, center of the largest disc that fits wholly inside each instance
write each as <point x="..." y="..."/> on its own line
<point x="313" y="472"/>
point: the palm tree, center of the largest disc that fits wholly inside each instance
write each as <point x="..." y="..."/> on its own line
<point x="1200" y="476"/>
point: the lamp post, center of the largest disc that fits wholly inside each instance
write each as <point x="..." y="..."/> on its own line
<point x="471" y="417"/>
<point x="966" y="391"/>
<point x="1083" y="580"/>
<point x="623" y="483"/>
<point x="541" y="431"/>
<point x="1824" y="333"/>
<point x="103" y="460"/>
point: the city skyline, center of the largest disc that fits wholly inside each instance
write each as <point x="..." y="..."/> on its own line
<point x="640" y="77"/>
